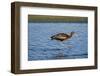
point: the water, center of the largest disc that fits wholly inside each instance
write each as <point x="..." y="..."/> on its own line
<point x="41" y="47"/>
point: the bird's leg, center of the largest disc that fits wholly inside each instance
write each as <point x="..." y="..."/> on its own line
<point x="63" y="44"/>
<point x="61" y="52"/>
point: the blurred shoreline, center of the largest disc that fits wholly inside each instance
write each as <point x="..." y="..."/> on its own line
<point x="48" y="18"/>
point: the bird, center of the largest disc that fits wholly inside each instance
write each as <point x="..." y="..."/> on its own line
<point x="62" y="36"/>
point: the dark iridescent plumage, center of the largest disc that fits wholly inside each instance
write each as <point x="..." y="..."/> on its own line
<point x="62" y="36"/>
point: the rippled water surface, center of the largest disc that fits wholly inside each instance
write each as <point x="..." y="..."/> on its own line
<point x="41" y="47"/>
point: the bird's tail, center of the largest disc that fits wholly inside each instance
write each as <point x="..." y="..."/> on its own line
<point x="52" y="37"/>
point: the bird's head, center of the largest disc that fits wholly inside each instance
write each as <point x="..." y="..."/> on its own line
<point x="72" y="32"/>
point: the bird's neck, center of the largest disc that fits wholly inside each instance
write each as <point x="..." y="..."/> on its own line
<point x="71" y="34"/>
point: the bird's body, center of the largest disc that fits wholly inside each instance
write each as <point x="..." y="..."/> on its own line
<point x="62" y="36"/>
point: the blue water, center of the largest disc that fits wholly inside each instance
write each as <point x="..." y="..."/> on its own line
<point x="41" y="47"/>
